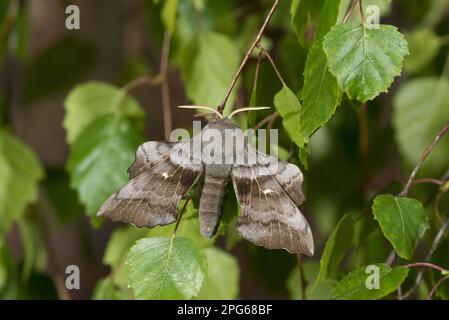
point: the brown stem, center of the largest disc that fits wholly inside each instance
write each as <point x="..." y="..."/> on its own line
<point x="145" y="80"/>
<point x="348" y="14"/>
<point x="429" y="180"/>
<point x="184" y="207"/>
<point x="165" y="87"/>
<point x="362" y="14"/>
<point x="273" y="64"/>
<point x="438" y="218"/>
<point x="247" y="56"/>
<point x="424" y="264"/>
<point x="435" y="287"/>
<point x="300" y="266"/>
<point x="266" y="120"/>
<point x="423" y="157"/>
<point x="435" y="244"/>
<point x="363" y="145"/>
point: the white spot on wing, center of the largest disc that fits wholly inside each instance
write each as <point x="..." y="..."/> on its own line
<point x="165" y="175"/>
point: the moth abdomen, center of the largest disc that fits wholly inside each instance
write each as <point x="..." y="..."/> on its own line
<point x="211" y="203"/>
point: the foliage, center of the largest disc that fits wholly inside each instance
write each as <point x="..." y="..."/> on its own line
<point x="356" y="106"/>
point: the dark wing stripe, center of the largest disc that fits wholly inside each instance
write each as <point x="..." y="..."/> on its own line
<point x="152" y="196"/>
<point x="272" y="219"/>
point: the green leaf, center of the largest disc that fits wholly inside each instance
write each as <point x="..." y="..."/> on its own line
<point x="320" y="95"/>
<point x="288" y="106"/>
<point x="336" y="247"/>
<point x="166" y="268"/>
<point x="20" y="172"/>
<point x="403" y="222"/>
<point x="100" y="157"/>
<point x="91" y="100"/>
<point x="328" y="17"/>
<point x="321" y="92"/>
<point x="441" y="258"/>
<point x="222" y="282"/>
<point x="424" y="45"/>
<point x="208" y="68"/>
<point x="420" y="111"/>
<point x="60" y="66"/>
<point x="353" y="286"/>
<point x="169" y="13"/>
<point x="364" y="60"/>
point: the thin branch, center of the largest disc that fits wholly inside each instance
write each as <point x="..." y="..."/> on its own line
<point x="273" y="64"/>
<point x="180" y="215"/>
<point x="266" y="120"/>
<point x="437" y="207"/>
<point x="435" y="287"/>
<point x="145" y="80"/>
<point x="362" y="14"/>
<point x="430" y="180"/>
<point x="423" y="157"/>
<point x="160" y="79"/>
<point x="348" y="14"/>
<point x="426" y="265"/>
<point x="247" y="56"/>
<point x="165" y="87"/>
<point x="435" y="244"/>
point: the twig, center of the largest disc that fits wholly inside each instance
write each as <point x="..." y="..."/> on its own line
<point x="426" y="265"/>
<point x="302" y="276"/>
<point x="273" y="64"/>
<point x="362" y="14"/>
<point x="437" y="207"/>
<point x="165" y="87"/>
<point x="348" y="14"/>
<point x="430" y="180"/>
<point x="145" y="80"/>
<point x="435" y="287"/>
<point x="435" y="244"/>
<point x="266" y="120"/>
<point x="423" y="157"/>
<point x="247" y="56"/>
<point x="160" y="79"/>
<point x="184" y="207"/>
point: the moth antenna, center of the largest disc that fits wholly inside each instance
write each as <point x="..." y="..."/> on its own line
<point x="247" y="109"/>
<point x="202" y="107"/>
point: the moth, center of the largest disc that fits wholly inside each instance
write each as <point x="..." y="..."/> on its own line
<point x="268" y="190"/>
